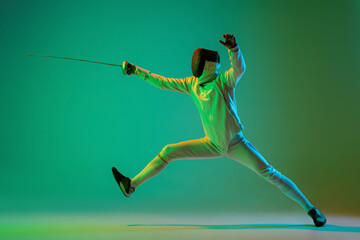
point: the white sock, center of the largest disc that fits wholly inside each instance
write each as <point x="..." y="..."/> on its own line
<point x="289" y="188"/>
<point x="152" y="169"/>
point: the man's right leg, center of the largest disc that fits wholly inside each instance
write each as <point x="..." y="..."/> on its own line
<point x="192" y="149"/>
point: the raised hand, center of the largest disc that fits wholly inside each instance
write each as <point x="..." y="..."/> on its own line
<point x="230" y="41"/>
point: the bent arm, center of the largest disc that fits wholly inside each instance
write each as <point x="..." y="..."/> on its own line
<point x="172" y="84"/>
<point x="233" y="75"/>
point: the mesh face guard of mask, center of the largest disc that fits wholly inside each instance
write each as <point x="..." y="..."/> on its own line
<point x="198" y="60"/>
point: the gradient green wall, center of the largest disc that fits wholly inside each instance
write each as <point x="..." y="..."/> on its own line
<point x="64" y="124"/>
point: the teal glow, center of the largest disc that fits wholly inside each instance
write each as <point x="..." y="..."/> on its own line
<point x="64" y="124"/>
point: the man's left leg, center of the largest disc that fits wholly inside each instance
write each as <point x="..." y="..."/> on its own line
<point x="243" y="152"/>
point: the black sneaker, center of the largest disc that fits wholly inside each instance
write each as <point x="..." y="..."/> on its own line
<point x="318" y="218"/>
<point x="123" y="182"/>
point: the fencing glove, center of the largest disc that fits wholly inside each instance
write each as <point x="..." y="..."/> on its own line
<point x="128" y="68"/>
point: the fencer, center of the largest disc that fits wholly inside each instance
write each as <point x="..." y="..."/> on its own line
<point x="213" y="93"/>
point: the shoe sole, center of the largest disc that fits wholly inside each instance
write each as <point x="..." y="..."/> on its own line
<point x="118" y="176"/>
<point x="320" y="224"/>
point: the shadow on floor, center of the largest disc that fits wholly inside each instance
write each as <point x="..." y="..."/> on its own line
<point x="327" y="228"/>
<point x="14" y="231"/>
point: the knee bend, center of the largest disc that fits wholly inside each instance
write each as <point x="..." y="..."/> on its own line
<point x="270" y="174"/>
<point x="165" y="153"/>
<point x="167" y="149"/>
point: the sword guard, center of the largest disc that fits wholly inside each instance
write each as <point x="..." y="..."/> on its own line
<point x="128" y="68"/>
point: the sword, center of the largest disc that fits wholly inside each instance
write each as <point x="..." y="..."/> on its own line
<point x="121" y="65"/>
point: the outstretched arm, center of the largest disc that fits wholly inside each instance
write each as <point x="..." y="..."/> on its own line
<point x="233" y="75"/>
<point x="172" y="84"/>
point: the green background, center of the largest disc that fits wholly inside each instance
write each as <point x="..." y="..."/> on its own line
<point x="64" y="124"/>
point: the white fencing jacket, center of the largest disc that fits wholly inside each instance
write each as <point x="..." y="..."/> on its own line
<point x="213" y="94"/>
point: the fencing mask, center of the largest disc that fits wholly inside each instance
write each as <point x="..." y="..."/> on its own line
<point x="198" y="60"/>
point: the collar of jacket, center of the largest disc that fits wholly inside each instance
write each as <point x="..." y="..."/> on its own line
<point x="209" y="73"/>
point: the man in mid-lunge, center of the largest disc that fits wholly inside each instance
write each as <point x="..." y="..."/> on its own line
<point x="214" y="96"/>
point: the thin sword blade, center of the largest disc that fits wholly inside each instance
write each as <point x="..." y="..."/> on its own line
<point x="118" y="65"/>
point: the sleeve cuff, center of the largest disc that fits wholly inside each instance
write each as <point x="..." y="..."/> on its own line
<point x="235" y="48"/>
<point x="142" y="73"/>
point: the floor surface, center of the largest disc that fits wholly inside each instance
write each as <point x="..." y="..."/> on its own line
<point x="175" y="226"/>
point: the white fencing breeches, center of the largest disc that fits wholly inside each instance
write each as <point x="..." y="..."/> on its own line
<point x="241" y="151"/>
